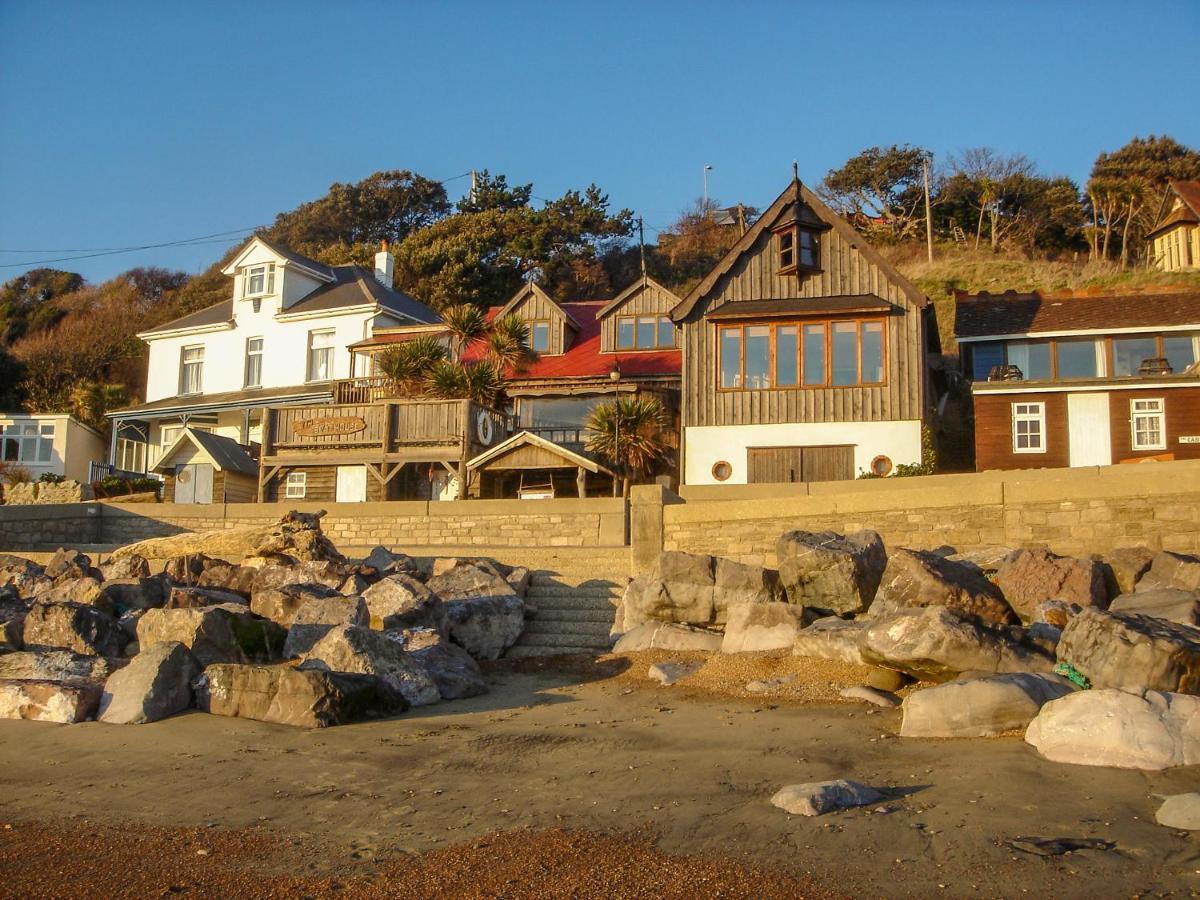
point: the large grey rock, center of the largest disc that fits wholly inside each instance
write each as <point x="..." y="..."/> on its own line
<point x="400" y="601"/>
<point x="70" y="564"/>
<point x="352" y="648"/>
<point x="12" y="618"/>
<point x="1029" y="577"/>
<point x="872" y="695"/>
<point x="916" y="579"/>
<point x="667" y="636"/>
<point x="819" y="797"/>
<point x="831" y="572"/>
<point x="1172" y="570"/>
<point x="129" y="567"/>
<point x="986" y="559"/>
<point x="1126" y="566"/>
<point x="316" y="618"/>
<point x="328" y="573"/>
<point x="280" y="604"/>
<point x="1168" y="603"/>
<point x="695" y="589"/>
<point x="157" y="683"/>
<point x="124" y="594"/>
<point x="980" y="707"/>
<point x="1143" y="730"/>
<point x="86" y="590"/>
<point x="761" y="626"/>
<point x="57" y="665"/>
<point x="49" y="701"/>
<point x="196" y="597"/>
<point x="72" y="626"/>
<point x="736" y="583"/>
<point x="1130" y="651"/>
<point x="24" y="576"/>
<point x="831" y="638"/>
<point x="452" y="669"/>
<point x="386" y="562"/>
<point x="486" y="626"/>
<point x="1180" y="811"/>
<point x="214" y="634"/>
<point x="470" y="580"/>
<point x="669" y="672"/>
<point x="936" y="643"/>
<point x="223" y="576"/>
<point x="306" y="698"/>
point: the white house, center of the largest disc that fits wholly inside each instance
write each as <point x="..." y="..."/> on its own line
<point x="281" y="338"/>
<point x="49" y="443"/>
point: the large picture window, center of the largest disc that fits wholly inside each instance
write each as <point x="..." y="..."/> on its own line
<point x="1029" y="427"/>
<point x="1149" y="427"/>
<point x="27" y="442"/>
<point x="839" y="353"/>
<point x="320" y="355"/>
<point x="191" y="370"/>
<point x="645" y="332"/>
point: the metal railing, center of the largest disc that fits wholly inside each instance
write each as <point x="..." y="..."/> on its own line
<point x="98" y="471"/>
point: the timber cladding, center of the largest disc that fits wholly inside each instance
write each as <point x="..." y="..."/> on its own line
<point x="533" y="305"/>
<point x="649" y="300"/>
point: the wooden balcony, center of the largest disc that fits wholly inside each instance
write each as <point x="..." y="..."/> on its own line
<point x="368" y="389"/>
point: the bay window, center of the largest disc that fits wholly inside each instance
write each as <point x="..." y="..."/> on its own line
<point x="320" y="355"/>
<point x="838" y="353"/>
<point x="798" y="249"/>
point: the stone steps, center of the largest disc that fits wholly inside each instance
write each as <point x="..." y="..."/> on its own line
<point x="570" y="602"/>
<point x="563" y="643"/>
<point x="592" y="628"/>
<point x="574" y="615"/>
<point x="575" y="606"/>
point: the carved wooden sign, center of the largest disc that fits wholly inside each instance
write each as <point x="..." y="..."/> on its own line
<point x="330" y="426"/>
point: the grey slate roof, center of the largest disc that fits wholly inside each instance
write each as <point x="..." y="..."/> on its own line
<point x="250" y="397"/>
<point x="292" y="256"/>
<point x="227" y="454"/>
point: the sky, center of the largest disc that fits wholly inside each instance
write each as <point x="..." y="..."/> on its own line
<point x="128" y="124"/>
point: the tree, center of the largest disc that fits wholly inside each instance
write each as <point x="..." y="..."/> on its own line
<point x="881" y="183"/>
<point x="987" y="183"/>
<point x="493" y="192"/>
<point x="628" y="432"/>
<point x="689" y="248"/>
<point x="27" y="301"/>
<point x="90" y="400"/>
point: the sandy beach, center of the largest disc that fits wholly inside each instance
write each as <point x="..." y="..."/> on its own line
<point x="563" y="751"/>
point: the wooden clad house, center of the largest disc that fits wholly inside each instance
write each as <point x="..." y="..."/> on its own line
<point x="1081" y="380"/>
<point x="804" y="355"/>
<point x="1175" y="238"/>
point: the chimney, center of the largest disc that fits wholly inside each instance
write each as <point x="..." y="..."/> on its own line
<point x="385" y="265"/>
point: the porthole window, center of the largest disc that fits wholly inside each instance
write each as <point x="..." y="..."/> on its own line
<point x="881" y="465"/>
<point x="722" y="470"/>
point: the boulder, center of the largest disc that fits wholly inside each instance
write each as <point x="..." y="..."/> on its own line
<point x="196" y="597"/>
<point x="486" y="626"/>
<point x="1131" y="651"/>
<point x="1125" y="568"/>
<point x="739" y="583"/>
<point x="1054" y="612"/>
<point x="518" y="579"/>
<point x="831" y="572"/>
<point x="386" y="562"/>
<point x="70" y="564"/>
<point x="57" y="665"/>
<point x="1028" y="577"/>
<point x="400" y="602"/>
<point x="986" y="559"/>
<point x="223" y="576"/>
<point x="915" y="579"/>
<point x="12" y="619"/>
<point x="306" y="698"/>
<point x="669" y="672"/>
<point x="889" y="680"/>
<point x="317" y="617"/>
<point x="936" y="643"/>
<point x="49" y="701"/>
<point x="124" y="594"/>
<point x="980" y="707"/>
<point x="352" y="648"/>
<point x="761" y="626"/>
<point x="680" y="589"/>
<point x="327" y="573"/>
<point x="157" y="683"/>
<point x="452" y="669"/>
<point x="874" y="696"/>
<point x="419" y="638"/>
<point x="1168" y="603"/>
<point x="296" y="536"/>
<point x="667" y="636"/>
<point x="470" y="580"/>
<point x="22" y="575"/>
<point x="185" y="569"/>
<point x="128" y="567"/>
<point x="214" y="634"/>
<point x="819" y="797"/>
<point x="280" y="604"/>
<point x="831" y="638"/>
<point x="1172" y="570"/>
<point x="1180" y="811"/>
<point x="72" y="626"/>
<point x="1142" y="730"/>
<point x="85" y="590"/>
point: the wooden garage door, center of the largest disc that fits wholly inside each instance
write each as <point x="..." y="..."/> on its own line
<point x="780" y="464"/>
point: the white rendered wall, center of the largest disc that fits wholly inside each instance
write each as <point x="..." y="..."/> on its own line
<point x="75" y="446"/>
<point x="708" y="444"/>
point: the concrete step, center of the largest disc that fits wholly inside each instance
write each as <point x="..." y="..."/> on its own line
<point x="575" y="581"/>
<point x="575" y="615"/>
<point x="550" y="594"/>
<point x="564" y="643"/>
<point x="570" y="602"/>
<point x="522" y="651"/>
<point x="596" y="630"/>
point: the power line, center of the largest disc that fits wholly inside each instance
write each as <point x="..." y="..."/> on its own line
<point x="120" y="249"/>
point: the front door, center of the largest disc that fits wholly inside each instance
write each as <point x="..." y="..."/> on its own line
<point x="784" y="464"/>
<point x="351" y="484"/>
<point x="1088" y="429"/>
<point x="194" y="483"/>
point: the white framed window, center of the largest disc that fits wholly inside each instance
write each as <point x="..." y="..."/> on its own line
<point x="1148" y="424"/>
<point x="254" y="357"/>
<point x="131" y="455"/>
<point x="27" y="442"/>
<point x="539" y="337"/>
<point x="258" y="281"/>
<point x="296" y="486"/>
<point x="1029" y="427"/>
<point x="320" y="355"/>
<point x="191" y="370"/>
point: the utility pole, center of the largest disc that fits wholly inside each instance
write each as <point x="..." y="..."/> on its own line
<point x="642" y="245"/>
<point x="928" y="217"/>
<point x="742" y="217"/>
<point x="707" y="169"/>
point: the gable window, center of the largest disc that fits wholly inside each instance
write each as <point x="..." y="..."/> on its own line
<point x="838" y="353"/>
<point x="799" y="249"/>
<point x="539" y="337"/>
<point x="259" y="280"/>
<point x="787" y="249"/>
<point x="28" y="442"/>
<point x="254" y="358"/>
<point x="320" y="355"/>
<point x="296" y="486"/>
<point x="1148" y="424"/>
<point x="191" y="370"/>
<point x="645" y="332"/>
<point x="1029" y="427"/>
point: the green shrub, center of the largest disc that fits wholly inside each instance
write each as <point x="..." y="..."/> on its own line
<point x="51" y="478"/>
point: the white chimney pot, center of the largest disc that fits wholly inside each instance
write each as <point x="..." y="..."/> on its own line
<point x="385" y="267"/>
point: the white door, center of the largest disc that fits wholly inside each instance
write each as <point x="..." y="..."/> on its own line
<point x="1088" y="429"/>
<point x="351" y="484"/>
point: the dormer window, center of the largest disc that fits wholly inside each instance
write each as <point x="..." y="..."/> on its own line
<point x="259" y="281"/>
<point x="539" y="337"/>
<point x="799" y="250"/>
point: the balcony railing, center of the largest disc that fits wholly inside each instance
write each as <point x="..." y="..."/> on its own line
<point x="367" y="389"/>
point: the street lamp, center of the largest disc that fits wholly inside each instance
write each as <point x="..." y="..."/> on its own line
<point x="614" y="375"/>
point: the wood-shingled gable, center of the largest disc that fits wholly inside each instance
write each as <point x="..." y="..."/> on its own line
<point x="533" y="304"/>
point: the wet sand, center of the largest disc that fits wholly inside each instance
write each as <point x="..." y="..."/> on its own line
<point x="587" y="747"/>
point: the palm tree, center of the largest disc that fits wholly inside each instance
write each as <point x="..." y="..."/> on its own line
<point x="407" y="364"/>
<point x="481" y="381"/>
<point x="90" y="400"/>
<point x="467" y="324"/>
<point x="629" y="433"/>
<point x="508" y="342"/>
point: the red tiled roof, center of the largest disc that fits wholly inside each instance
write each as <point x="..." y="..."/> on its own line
<point x="583" y="358"/>
<point x="1012" y="313"/>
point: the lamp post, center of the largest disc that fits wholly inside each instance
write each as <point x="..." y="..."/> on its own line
<point x="614" y="375"/>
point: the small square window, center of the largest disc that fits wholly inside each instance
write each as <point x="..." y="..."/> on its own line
<point x="297" y="485"/>
<point x="1029" y="427"/>
<point x="1148" y="424"/>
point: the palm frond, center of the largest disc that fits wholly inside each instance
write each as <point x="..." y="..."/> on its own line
<point x="508" y="343"/>
<point x="466" y="323"/>
<point x="628" y="433"/>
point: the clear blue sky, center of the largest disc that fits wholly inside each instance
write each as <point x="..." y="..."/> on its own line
<point x="136" y="123"/>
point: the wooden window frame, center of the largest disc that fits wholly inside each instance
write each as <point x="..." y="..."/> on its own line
<point x="796" y="265"/>
<point x="1039" y="417"/>
<point x="800" y="325"/>
<point x="1160" y="413"/>
<point x="533" y="323"/>
<point x="635" y="318"/>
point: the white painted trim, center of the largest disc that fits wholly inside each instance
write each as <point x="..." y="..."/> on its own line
<point x="1075" y="388"/>
<point x="148" y="336"/>
<point x="1089" y="332"/>
<point x="374" y="308"/>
